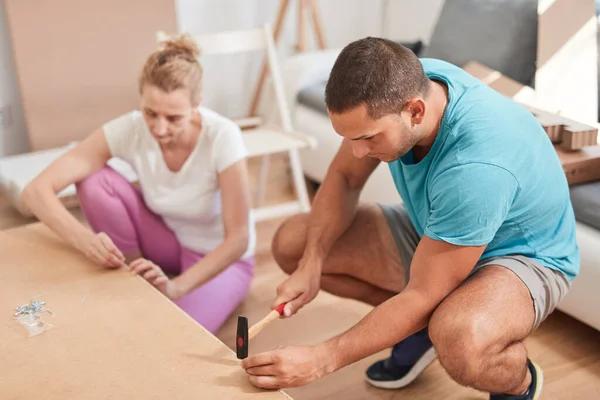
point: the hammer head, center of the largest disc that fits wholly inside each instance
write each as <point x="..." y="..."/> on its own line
<point x="241" y="340"/>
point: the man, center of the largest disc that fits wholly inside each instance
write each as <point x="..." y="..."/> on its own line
<point x="479" y="254"/>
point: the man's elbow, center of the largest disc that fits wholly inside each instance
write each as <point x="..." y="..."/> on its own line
<point x="424" y="298"/>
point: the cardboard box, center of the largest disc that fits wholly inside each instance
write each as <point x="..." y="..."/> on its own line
<point x="507" y="86"/>
<point x="113" y="335"/>
<point x="576" y="143"/>
<point x="580" y="166"/>
<point x="73" y="78"/>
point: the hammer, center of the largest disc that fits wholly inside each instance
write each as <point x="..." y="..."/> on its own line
<point x="244" y="334"/>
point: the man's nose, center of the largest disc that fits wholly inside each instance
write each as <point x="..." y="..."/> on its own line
<point x="359" y="149"/>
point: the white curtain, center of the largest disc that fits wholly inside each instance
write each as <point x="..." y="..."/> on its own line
<point x="12" y="122"/>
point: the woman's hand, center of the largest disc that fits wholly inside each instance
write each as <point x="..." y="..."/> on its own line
<point x="156" y="277"/>
<point x="99" y="248"/>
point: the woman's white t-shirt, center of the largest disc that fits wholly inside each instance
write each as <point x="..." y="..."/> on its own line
<point x="189" y="201"/>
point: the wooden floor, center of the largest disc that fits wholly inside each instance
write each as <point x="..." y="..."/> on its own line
<point x="567" y="350"/>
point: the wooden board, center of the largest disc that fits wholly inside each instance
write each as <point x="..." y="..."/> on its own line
<point x="78" y="62"/>
<point x="113" y="335"/>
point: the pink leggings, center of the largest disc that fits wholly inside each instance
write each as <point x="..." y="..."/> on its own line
<point x="113" y="206"/>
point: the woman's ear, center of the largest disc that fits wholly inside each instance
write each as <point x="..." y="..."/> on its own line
<point x="197" y="103"/>
<point x="196" y="117"/>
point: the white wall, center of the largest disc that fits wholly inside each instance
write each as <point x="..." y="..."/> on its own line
<point x="234" y="78"/>
<point x="13" y="139"/>
<point x="411" y="20"/>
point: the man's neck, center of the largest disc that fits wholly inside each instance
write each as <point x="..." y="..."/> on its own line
<point x="436" y="102"/>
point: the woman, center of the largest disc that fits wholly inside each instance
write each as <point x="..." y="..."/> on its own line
<point x="191" y="219"/>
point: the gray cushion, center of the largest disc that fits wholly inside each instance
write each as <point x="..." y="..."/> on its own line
<point x="416" y="46"/>
<point x="313" y="97"/>
<point x="501" y="34"/>
<point x="586" y="203"/>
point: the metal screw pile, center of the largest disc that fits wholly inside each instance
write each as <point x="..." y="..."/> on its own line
<point x="33" y="308"/>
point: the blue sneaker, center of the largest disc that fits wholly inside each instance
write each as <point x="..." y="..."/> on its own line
<point x="409" y="358"/>
<point x="535" y="388"/>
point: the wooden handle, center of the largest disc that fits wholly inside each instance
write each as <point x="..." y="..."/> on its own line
<point x="260" y="325"/>
<point x="256" y="328"/>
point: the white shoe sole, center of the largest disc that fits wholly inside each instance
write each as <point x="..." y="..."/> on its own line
<point x="539" y="381"/>
<point x="429" y="356"/>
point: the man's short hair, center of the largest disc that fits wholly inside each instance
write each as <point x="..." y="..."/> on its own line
<point x="377" y="72"/>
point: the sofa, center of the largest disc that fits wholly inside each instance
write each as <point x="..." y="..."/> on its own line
<point x="305" y="77"/>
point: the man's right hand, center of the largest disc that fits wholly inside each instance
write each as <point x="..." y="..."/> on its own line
<point x="100" y="249"/>
<point x="299" y="289"/>
<point x="332" y="212"/>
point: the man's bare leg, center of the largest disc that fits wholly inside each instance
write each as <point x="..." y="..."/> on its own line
<point x="364" y="264"/>
<point x="478" y="331"/>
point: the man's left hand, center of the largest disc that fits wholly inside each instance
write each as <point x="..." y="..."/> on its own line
<point x="287" y="367"/>
<point x="155" y="276"/>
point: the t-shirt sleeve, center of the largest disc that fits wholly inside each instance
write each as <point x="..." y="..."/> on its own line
<point x="228" y="146"/>
<point x="469" y="203"/>
<point x="119" y="133"/>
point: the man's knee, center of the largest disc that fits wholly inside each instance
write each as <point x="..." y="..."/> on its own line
<point x="289" y="241"/>
<point x="461" y="344"/>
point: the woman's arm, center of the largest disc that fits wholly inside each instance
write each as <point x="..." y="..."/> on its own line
<point x="235" y="199"/>
<point x="40" y="195"/>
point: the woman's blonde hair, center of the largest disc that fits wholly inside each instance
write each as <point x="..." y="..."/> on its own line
<point x="174" y="66"/>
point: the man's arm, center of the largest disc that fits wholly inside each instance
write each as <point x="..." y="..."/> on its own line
<point x="463" y="219"/>
<point x="410" y="310"/>
<point x="336" y="202"/>
<point x="387" y="324"/>
<point x="332" y="213"/>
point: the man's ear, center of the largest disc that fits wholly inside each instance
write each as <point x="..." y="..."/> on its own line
<point x="416" y="109"/>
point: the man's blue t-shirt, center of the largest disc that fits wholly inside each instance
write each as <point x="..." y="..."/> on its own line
<point x="491" y="177"/>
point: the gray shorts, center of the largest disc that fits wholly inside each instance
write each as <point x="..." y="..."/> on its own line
<point x="546" y="286"/>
